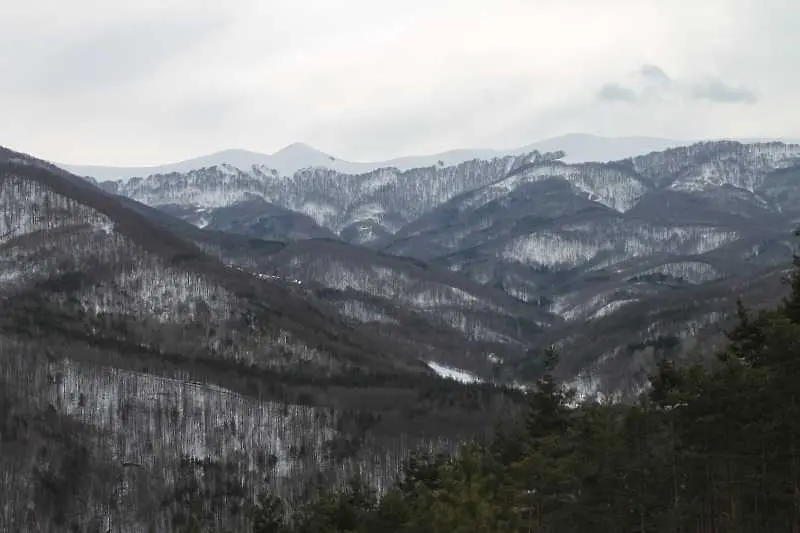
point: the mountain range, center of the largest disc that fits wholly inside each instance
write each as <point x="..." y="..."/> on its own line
<point x="318" y="322"/>
<point x="565" y="241"/>
<point x="297" y="156"/>
<point x="578" y="148"/>
<point x="129" y="337"/>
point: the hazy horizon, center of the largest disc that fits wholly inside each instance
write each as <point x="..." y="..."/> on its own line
<point x="152" y="82"/>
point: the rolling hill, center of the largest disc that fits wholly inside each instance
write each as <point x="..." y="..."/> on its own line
<point x="235" y="321"/>
<point x="123" y="342"/>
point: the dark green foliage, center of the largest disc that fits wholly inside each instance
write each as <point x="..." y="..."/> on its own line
<point x="791" y="306"/>
<point x="268" y="514"/>
<point x="348" y="510"/>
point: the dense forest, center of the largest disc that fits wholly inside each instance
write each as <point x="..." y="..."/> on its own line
<point x="146" y="386"/>
<point x="713" y="446"/>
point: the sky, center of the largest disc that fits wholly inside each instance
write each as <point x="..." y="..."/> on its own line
<point x="155" y="81"/>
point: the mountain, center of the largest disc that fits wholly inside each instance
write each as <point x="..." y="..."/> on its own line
<point x="572" y="242"/>
<point x="115" y="262"/>
<point x="578" y="148"/>
<point x="297" y="156"/>
<point x="139" y="353"/>
<point x="582" y="148"/>
<point x="228" y="321"/>
<point x="366" y="205"/>
<point x="654" y="247"/>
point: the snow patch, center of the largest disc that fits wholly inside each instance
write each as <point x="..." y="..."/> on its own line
<point x="359" y="311"/>
<point x="613" y="242"/>
<point x="610" y="308"/>
<point x="446" y="372"/>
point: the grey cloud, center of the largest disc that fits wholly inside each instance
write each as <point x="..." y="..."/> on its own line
<point x="209" y="112"/>
<point x="142" y="82"/>
<point x="655" y="73"/>
<point x="120" y="52"/>
<point x="717" y="91"/>
<point x="616" y="93"/>
<point x="652" y="77"/>
<point x="658" y="84"/>
<point x="418" y="128"/>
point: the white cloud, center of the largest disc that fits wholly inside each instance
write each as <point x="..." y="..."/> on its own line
<point x="650" y="83"/>
<point x="154" y="81"/>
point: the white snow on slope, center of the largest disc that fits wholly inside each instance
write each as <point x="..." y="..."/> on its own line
<point x="154" y="421"/>
<point x="701" y="166"/>
<point x="473" y="328"/>
<point x="28" y="207"/>
<point x="690" y="271"/>
<point x="361" y="312"/>
<point x="552" y="250"/>
<point x="604" y="185"/>
<point x="154" y="291"/>
<point x="568" y="248"/>
<point x="446" y="372"/>
<point x="212" y="187"/>
<point x="385" y="283"/>
<point x="389" y="197"/>
<point x="574" y="306"/>
<point x="610" y="308"/>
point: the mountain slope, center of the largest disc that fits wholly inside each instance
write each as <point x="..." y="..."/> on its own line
<point x="123" y="342"/>
<point x="446" y="317"/>
<point x="664" y="259"/>
<point x="561" y="239"/>
<point x="48" y="213"/>
<point x="373" y="206"/>
<point x="74" y="251"/>
<point x="373" y="203"/>
<point x="439" y="315"/>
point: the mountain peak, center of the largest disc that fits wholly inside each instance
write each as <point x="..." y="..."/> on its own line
<point x="578" y="147"/>
<point x="299" y="155"/>
<point x="296" y="147"/>
<point x="300" y="150"/>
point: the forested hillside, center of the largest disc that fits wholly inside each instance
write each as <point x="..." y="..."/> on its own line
<point x="620" y="263"/>
<point x="157" y="376"/>
<point x="133" y="364"/>
<point x="712" y="447"/>
<point x="431" y="323"/>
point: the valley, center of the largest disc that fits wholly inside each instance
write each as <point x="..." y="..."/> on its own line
<point x="549" y="243"/>
<point x="292" y="330"/>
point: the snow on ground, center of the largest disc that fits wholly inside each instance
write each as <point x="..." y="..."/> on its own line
<point x="462" y="376"/>
<point x="610" y="308"/>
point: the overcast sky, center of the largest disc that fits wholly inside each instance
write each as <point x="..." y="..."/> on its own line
<point x="153" y="81"/>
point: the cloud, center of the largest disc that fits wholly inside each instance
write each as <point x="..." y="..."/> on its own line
<point x="202" y="114"/>
<point x="99" y="59"/>
<point x="655" y="84"/>
<point x="655" y="74"/>
<point x="616" y="92"/>
<point x="717" y="91"/>
<point x="648" y="82"/>
<point x="152" y="81"/>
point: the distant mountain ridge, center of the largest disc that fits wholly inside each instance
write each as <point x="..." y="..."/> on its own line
<point x="138" y="345"/>
<point x="666" y="240"/>
<point x="506" y="252"/>
<point x="297" y="156"/>
<point x="579" y="148"/>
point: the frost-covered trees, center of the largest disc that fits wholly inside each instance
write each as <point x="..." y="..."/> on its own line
<point x="140" y="439"/>
<point x="616" y="239"/>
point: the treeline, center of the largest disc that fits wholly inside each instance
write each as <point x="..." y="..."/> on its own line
<point x="713" y="446"/>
